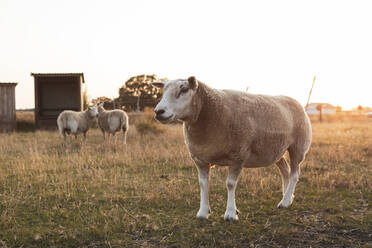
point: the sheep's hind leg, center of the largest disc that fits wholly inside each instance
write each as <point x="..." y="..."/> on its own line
<point x="114" y="137"/>
<point x="203" y="170"/>
<point x="104" y="136"/>
<point x="296" y="158"/>
<point x="124" y="136"/>
<point x="108" y="138"/>
<point x="231" y="213"/>
<point x="284" y="171"/>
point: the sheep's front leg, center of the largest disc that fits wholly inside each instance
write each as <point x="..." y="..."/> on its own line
<point x="231" y="210"/>
<point x="64" y="136"/>
<point x="203" y="170"/>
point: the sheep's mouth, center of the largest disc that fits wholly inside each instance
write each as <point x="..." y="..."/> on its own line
<point x="164" y="120"/>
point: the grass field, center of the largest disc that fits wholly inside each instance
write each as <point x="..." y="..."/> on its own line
<point x="146" y="194"/>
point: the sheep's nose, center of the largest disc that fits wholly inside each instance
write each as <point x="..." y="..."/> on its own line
<point x="159" y="112"/>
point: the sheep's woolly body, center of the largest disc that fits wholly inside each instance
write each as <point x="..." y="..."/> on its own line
<point x="74" y="122"/>
<point x="112" y="121"/>
<point x="237" y="128"/>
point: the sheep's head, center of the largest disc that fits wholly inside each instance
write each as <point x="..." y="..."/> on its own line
<point x="100" y="108"/>
<point x="92" y="111"/>
<point x="177" y="101"/>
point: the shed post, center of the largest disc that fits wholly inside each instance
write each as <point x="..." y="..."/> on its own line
<point x="7" y="107"/>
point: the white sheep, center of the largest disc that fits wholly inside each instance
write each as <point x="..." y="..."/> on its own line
<point x="112" y="121"/>
<point x="73" y="122"/>
<point x="238" y="130"/>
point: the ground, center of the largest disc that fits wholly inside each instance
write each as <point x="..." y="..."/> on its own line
<point x="146" y="194"/>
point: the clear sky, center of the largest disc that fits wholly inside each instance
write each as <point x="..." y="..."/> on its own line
<point x="272" y="47"/>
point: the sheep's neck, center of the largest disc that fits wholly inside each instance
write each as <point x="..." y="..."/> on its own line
<point x="206" y="111"/>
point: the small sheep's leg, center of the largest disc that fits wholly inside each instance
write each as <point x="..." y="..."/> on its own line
<point x="64" y="136"/>
<point x="85" y="137"/>
<point x="284" y="171"/>
<point x="124" y="137"/>
<point x="104" y="136"/>
<point x="114" y="137"/>
<point x="231" y="181"/>
<point x="203" y="170"/>
<point x="296" y="159"/>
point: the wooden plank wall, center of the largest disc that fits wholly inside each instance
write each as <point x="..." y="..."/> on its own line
<point x="7" y="108"/>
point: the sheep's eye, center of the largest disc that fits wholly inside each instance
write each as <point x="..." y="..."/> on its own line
<point x="182" y="91"/>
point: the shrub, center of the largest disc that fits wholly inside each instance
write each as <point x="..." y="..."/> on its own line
<point x="146" y="126"/>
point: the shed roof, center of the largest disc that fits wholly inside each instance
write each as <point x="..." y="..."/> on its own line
<point x="58" y="75"/>
<point x="8" y="84"/>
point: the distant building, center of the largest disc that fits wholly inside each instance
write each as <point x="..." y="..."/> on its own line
<point x="55" y="92"/>
<point x="327" y="109"/>
<point x="7" y="107"/>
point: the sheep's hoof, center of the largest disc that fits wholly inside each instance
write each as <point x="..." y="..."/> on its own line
<point x="202" y="215"/>
<point x="230" y="217"/>
<point x="283" y="204"/>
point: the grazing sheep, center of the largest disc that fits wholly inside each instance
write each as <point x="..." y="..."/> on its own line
<point x="72" y="122"/>
<point x="238" y="130"/>
<point x="112" y="121"/>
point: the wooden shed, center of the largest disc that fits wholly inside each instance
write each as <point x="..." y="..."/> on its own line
<point x="7" y="107"/>
<point x="55" y="92"/>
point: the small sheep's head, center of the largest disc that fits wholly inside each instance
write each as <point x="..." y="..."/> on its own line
<point x="93" y="111"/>
<point x="100" y="107"/>
<point x="177" y="100"/>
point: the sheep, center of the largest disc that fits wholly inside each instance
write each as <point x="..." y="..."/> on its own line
<point x="237" y="130"/>
<point x="72" y="122"/>
<point x="112" y="121"/>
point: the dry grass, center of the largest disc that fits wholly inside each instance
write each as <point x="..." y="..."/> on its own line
<point x="146" y="194"/>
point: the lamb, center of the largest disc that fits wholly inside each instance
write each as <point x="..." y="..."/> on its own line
<point x="72" y="122"/>
<point x="112" y="121"/>
<point x="237" y="130"/>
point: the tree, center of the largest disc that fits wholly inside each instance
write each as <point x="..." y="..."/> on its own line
<point x="138" y="92"/>
<point x="360" y="107"/>
<point x="108" y="103"/>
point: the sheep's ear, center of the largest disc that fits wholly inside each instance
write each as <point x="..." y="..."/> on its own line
<point x="193" y="83"/>
<point x="158" y="84"/>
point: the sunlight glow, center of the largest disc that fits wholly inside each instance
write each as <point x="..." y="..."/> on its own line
<point x="272" y="47"/>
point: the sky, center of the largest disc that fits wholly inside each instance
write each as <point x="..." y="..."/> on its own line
<point x="272" y="47"/>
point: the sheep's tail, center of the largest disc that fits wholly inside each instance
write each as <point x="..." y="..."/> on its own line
<point x="65" y="127"/>
<point x="62" y="125"/>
